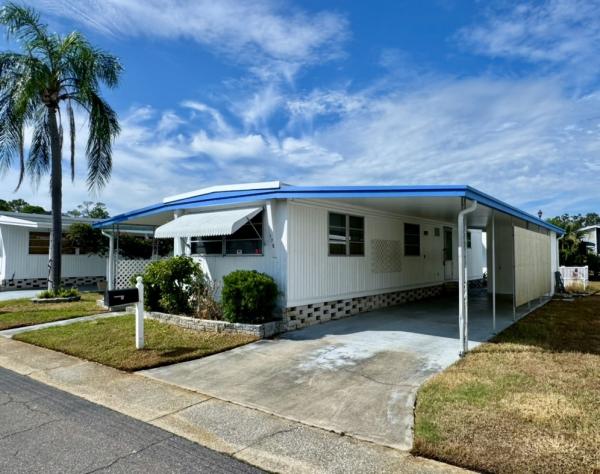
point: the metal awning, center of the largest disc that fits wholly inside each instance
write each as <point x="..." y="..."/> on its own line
<point x="207" y="223"/>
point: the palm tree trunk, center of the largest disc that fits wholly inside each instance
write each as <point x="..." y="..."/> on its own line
<point x="56" y="195"/>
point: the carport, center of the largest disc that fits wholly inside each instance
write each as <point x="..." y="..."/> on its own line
<point x="296" y="238"/>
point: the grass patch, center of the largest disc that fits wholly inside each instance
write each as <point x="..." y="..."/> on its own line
<point x="527" y="401"/>
<point x="22" y="312"/>
<point x="111" y="341"/>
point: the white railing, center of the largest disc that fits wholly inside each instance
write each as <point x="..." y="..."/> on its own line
<point x="575" y="276"/>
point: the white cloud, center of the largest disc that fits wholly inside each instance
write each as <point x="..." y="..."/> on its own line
<point x="553" y="31"/>
<point x="266" y="34"/>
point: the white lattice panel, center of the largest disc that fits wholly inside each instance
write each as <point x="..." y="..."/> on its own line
<point x="386" y="256"/>
<point x="128" y="268"/>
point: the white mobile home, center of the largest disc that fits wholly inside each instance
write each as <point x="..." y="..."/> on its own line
<point x="340" y="250"/>
<point x="591" y="235"/>
<point x="24" y="254"/>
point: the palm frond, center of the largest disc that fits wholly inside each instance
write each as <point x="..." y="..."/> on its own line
<point x="103" y="129"/>
<point x="24" y="24"/>
<point x="38" y="163"/>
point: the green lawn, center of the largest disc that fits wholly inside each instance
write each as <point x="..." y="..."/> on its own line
<point x="528" y="401"/>
<point x="111" y="341"/>
<point x="22" y="312"/>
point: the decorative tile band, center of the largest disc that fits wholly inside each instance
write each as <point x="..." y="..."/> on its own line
<point x="34" y="283"/>
<point x="297" y="317"/>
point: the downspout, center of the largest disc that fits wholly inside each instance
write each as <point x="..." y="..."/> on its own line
<point x="463" y="292"/>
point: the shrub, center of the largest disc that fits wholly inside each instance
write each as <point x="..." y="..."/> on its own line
<point x="171" y="285"/>
<point x="248" y="297"/>
<point x="59" y="293"/>
<point x="207" y="306"/>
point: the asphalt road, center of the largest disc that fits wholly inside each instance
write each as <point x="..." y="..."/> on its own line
<point x="43" y="429"/>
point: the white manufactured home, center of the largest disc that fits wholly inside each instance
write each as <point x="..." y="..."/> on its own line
<point x="591" y="235"/>
<point x="24" y="254"/>
<point x="336" y="251"/>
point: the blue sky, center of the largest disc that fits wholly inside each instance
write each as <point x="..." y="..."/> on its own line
<point x="502" y="96"/>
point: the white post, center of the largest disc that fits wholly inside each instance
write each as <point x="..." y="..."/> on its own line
<point x="494" y="271"/>
<point x="139" y="315"/>
<point x="111" y="263"/>
<point x="178" y="242"/>
<point x="463" y="293"/>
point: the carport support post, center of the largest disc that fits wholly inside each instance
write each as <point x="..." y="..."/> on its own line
<point x="139" y="315"/>
<point x="463" y="292"/>
<point x="494" y="271"/>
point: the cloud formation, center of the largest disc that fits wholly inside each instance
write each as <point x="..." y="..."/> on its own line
<point x="268" y="35"/>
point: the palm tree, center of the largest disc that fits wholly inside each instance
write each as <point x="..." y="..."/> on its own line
<point x="51" y="76"/>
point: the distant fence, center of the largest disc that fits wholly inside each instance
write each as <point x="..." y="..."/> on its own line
<point x="575" y="276"/>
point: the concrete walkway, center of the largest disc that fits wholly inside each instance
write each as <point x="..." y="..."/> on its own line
<point x="63" y="322"/>
<point x="18" y="294"/>
<point x="267" y="441"/>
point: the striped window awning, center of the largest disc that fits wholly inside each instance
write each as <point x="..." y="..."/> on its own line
<point x="206" y="223"/>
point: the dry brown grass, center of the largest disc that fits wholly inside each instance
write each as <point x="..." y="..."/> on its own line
<point x="529" y="401"/>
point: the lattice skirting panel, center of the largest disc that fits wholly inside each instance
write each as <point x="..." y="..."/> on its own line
<point x="128" y="268"/>
<point x="34" y="283"/>
<point x="297" y="317"/>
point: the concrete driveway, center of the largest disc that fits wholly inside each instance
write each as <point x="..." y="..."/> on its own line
<point x="357" y="375"/>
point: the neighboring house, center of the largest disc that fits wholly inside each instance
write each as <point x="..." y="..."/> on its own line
<point x="591" y="235"/>
<point x="24" y="254"/>
<point x="341" y="250"/>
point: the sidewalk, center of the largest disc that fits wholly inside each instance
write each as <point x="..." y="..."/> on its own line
<point x="267" y="441"/>
<point x="62" y="322"/>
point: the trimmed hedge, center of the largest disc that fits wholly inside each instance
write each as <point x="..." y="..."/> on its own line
<point x="248" y="297"/>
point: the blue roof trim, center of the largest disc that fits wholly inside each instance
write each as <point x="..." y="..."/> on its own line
<point x="331" y="192"/>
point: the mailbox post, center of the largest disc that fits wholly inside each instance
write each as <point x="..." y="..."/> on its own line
<point x="139" y="315"/>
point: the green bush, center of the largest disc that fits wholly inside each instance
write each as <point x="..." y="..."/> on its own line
<point x="172" y="285"/>
<point x="248" y="297"/>
<point x="59" y="293"/>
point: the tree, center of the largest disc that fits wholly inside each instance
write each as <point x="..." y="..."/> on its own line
<point x="19" y="205"/>
<point x="90" y="209"/>
<point x="572" y="249"/>
<point x="38" y="86"/>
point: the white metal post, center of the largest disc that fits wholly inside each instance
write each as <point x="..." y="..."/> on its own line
<point x="463" y="293"/>
<point x="494" y="271"/>
<point x="111" y="264"/>
<point x="178" y="243"/>
<point x="139" y="315"/>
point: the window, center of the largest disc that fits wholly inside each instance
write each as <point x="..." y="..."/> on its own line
<point x="346" y="234"/>
<point x="247" y="240"/>
<point x="412" y="240"/>
<point x="468" y="240"/>
<point x="436" y="232"/>
<point x="39" y="244"/>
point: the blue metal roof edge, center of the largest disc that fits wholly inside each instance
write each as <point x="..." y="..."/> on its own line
<point x="314" y="192"/>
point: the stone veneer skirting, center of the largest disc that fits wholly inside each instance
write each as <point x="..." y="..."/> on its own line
<point x="258" y="330"/>
<point x="33" y="283"/>
<point x="297" y="317"/>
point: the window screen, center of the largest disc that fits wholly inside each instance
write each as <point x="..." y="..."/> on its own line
<point x="412" y="239"/>
<point x="39" y="244"/>
<point x="346" y="234"/>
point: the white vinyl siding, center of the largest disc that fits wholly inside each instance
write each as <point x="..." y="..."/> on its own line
<point x="19" y="264"/>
